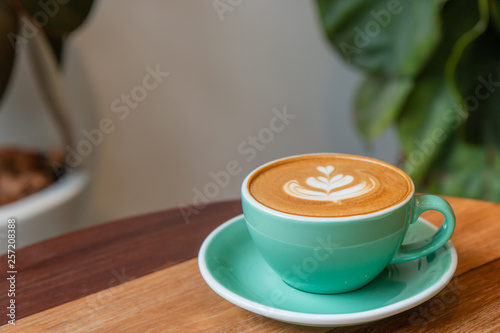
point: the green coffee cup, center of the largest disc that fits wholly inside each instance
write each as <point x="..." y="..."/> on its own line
<point x="337" y="254"/>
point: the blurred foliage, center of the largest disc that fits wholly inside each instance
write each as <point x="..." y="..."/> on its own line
<point x="21" y="19"/>
<point x="432" y="68"/>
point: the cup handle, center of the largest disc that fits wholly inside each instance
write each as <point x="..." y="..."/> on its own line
<point x="427" y="246"/>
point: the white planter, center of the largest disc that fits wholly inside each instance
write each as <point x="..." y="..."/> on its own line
<point x="48" y="213"/>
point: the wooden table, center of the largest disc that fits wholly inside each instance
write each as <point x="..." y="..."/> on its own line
<point x="141" y="274"/>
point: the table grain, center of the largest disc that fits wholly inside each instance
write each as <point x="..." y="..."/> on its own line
<point x="141" y="274"/>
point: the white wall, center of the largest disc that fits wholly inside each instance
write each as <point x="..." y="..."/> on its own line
<point x="225" y="78"/>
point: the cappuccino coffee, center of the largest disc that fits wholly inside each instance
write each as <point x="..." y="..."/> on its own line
<point x="329" y="185"/>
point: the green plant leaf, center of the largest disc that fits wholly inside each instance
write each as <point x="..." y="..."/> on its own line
<point x="435" y="109"/>
<point x="8" y="29"/>
<point x="429" y="116"/>
<point x="378" y="102"/>
<point x="495" y="14"/>
<point x="389" y="37"/>
<point x="334" y="14"/>
<point x="478" y="78"/>
<point x="467" y="170"/>
<point x="58" y="19"/>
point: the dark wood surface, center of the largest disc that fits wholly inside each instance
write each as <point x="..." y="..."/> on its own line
<point x="83" y="262"/>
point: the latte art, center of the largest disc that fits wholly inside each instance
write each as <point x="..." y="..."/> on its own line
<point x="327" y="186"/>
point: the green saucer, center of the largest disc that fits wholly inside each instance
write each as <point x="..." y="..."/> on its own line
<point x="233" y="268"/>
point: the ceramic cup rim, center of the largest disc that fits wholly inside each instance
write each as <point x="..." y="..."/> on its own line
<point x="245" y="193"/>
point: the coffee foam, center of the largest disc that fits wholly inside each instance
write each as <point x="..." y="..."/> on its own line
<point x="329" y="185"/>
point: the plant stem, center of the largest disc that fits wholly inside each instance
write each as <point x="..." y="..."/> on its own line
<point x="47" y="74"/>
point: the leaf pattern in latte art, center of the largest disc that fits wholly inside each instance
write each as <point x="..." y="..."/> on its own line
<point x="324" y="187"/>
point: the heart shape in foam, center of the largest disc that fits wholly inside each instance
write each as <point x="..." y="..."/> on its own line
<point x="326" y="170"/>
